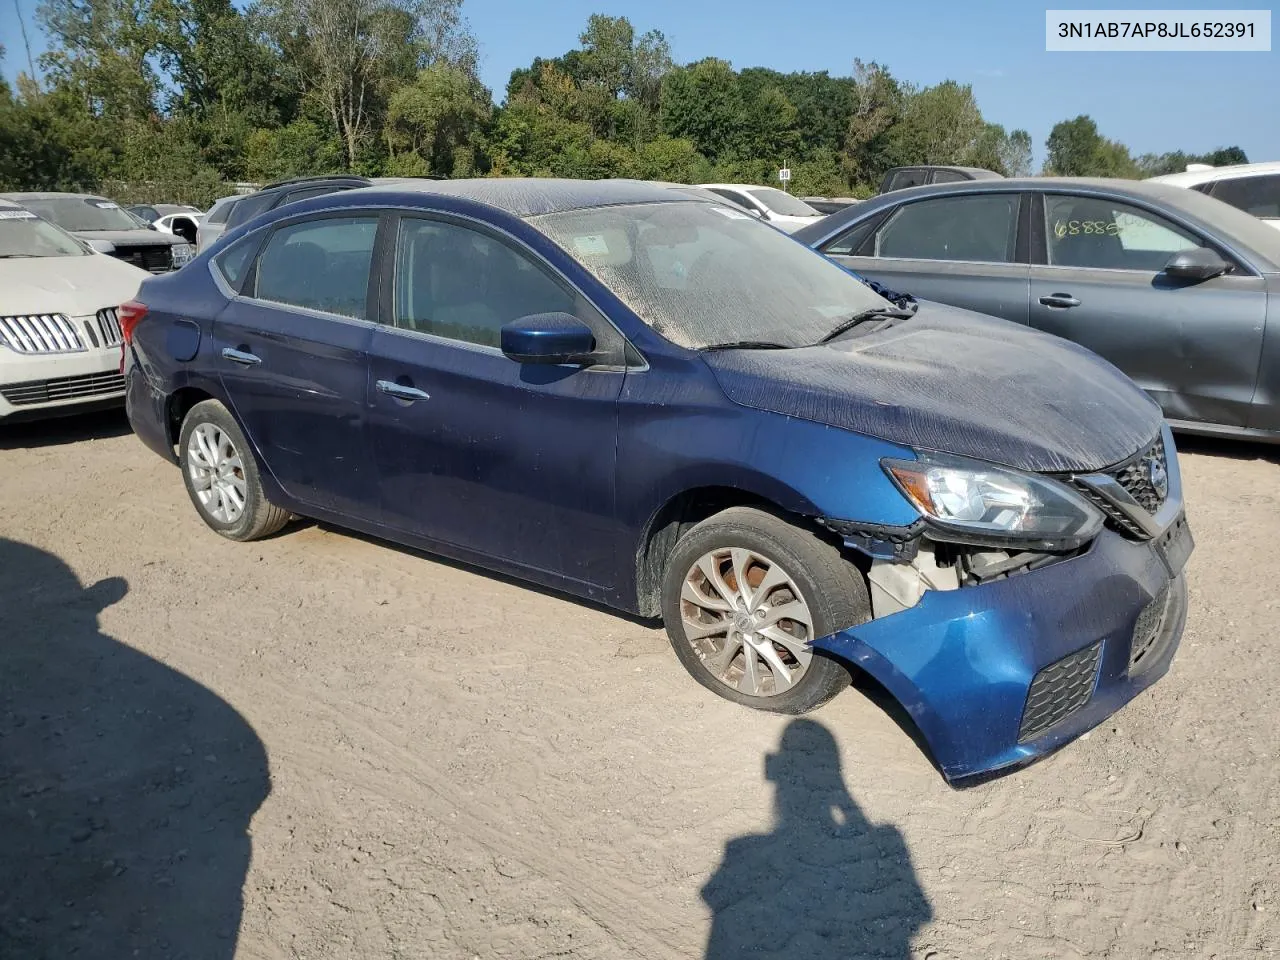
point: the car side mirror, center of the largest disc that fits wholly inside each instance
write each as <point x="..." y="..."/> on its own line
<point x="550" y="338"/>
<point x="1200" y="263"/>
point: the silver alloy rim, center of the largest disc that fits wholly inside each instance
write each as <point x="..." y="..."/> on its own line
<point x="747" y="621"/>
<point x="217" y="473"/>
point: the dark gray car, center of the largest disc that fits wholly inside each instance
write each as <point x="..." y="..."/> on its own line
<point x="1169" y="285"/>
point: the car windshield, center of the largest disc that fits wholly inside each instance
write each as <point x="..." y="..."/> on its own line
<point x="23" y="234"/>
<point x="704" y="274"/>
<point x="782" y="203"/>
<point x="83" y="213"/>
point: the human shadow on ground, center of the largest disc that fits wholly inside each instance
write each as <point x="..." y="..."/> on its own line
<point x="126" y="788"/>
<point x="824" y="884"/>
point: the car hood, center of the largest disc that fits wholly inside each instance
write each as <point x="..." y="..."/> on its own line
<point x="131" y="238"/>
<point x="952" y="381"/>
<point x="74" y="286"/>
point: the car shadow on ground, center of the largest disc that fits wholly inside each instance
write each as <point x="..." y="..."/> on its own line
<point x="825" y="883"/>
<point x="100" y="425"/>
<point x="126" y="788"/>
<point x="1227" y="448"/>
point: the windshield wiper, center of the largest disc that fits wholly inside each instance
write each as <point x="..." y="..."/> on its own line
<point x="748" y="345"/>
<point x="14" y="256"/>
<point x="875" y="313"/>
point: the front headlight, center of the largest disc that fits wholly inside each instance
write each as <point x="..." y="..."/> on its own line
<point x="972" y="502"/>
<point x="182" y="254"/>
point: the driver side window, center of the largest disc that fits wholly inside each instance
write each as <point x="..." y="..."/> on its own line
<point x="1103" y="234"/>
<point x="461" y="284"/>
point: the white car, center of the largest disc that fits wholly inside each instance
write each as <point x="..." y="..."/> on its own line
<point x="1251" y="187"/>
<point x="59" y="335"/>
<point x="770" y="204"/>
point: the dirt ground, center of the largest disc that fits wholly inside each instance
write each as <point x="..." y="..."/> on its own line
<point x="320" y="746"/>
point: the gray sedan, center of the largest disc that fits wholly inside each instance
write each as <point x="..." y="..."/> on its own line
<point x="1169" y="285"/>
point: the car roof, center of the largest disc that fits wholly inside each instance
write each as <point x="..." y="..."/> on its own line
<point x="535" y="196"/>
<point x="1190" y="178"/>
<point x="1261" y="241"/>
<point x="980" y="173"/>
<point x="51" y="195"/>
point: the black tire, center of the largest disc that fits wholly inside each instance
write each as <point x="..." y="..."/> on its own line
<point x="259" y="517"/>
<point x="833" y="588"/>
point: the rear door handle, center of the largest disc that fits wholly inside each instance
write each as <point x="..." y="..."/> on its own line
<point x="239" y="356"/>
<point x="400" y="391"/>
<point x="1060" y="300"/>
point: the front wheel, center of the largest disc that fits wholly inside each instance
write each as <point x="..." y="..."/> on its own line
<point x="745" y="593"/>
<point x="221" y="475"/>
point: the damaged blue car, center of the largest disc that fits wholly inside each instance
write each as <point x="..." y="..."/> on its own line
<point x="659" y="403"/>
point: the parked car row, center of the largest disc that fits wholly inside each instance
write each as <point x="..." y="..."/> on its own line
<point x="647" y="397"/>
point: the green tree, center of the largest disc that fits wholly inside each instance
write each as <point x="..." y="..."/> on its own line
<point x="702" y="104"/>
<point x="1077" y="149"/>
<point x="938" y="125"/>
<point x="878" y="105"/>
<point x="433" y="122"/>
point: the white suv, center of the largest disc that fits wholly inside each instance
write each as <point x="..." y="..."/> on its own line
<point x="1251" y="187"/>
<point x="770" y="204"/>
<point x="59" y="336"/>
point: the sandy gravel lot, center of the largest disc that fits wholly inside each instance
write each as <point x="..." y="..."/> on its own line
<point x="320" y="746"/>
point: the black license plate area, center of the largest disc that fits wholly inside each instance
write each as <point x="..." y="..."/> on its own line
<point x="1175" y="545"/>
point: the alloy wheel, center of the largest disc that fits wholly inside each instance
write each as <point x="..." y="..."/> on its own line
<point x="747" y="621"/>
<point x="217" y="473"/>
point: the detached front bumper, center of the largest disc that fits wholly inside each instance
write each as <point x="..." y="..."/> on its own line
<point x="1000" y="674"/>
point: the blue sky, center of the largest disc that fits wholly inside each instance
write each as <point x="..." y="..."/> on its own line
<point x="1153" y="102"/>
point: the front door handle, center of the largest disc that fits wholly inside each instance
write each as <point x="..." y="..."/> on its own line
<point x="1062" y="300"/>
<point x="400" y="391"/>
<point x="239" y="356"/>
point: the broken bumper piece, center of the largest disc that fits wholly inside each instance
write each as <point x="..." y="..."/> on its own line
<point x="999" y="674"/>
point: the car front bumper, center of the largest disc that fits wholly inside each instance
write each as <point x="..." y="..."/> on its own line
<point x="39" y="385"/>
<point x="963" y="662"/>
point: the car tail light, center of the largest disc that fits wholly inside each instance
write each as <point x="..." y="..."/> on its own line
<point x="130" y="315"/>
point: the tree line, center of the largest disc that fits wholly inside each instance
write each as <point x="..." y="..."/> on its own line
<point x="188" y="95"/>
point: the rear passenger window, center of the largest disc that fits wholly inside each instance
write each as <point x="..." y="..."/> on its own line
<point x="906" y="178"/>
<point x="457" y="283"/>
<point x="847" y="243"/>
<point x="979" y="227"/>
<point x="234" y="262"/>
<point x="310" y="192"/>
<point x="948" y="176"/>
<point x="1259" y="196"/>
<point x="242" y="211"/>
<point x="319" y="264"/>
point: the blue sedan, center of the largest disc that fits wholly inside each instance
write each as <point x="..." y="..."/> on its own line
<point x="656" y="402"/>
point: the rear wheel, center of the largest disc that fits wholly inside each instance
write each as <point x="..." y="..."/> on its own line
<point x="222" y="477"/>
<point x="744" y="595"/>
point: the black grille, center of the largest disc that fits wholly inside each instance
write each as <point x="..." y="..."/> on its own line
<point x="157" y="257"/>
<point x="1148" y="631"/>
<point x="1058" y="691"/>
<point x="1134" y="477"/>
<point x="63" y="388"/>
<point x="1136" y="480"/>
<point x="1114" y="514"/>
